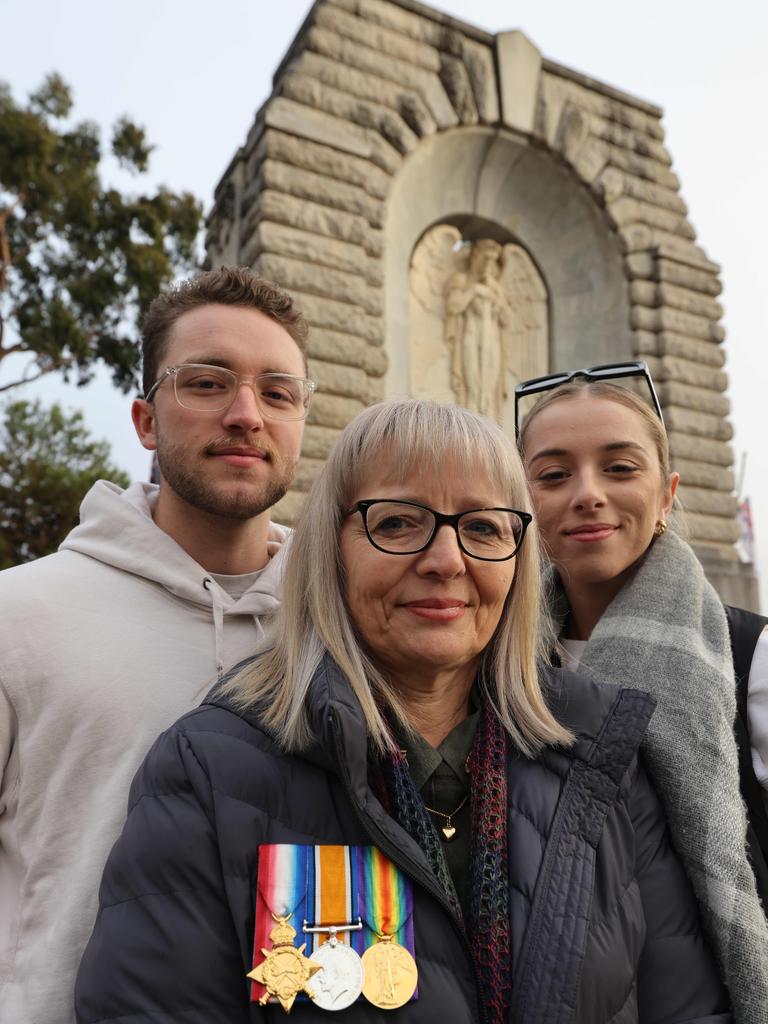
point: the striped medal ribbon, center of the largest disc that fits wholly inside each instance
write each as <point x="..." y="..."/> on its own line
<point x="284" y="971"/>
<point x="386" y="906"/>
<point x="334" y="918"/>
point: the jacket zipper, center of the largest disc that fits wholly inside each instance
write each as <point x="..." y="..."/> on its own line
<point x="381" y="841"/>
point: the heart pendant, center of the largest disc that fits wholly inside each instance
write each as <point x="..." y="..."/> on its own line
<point x="449" y="832"/>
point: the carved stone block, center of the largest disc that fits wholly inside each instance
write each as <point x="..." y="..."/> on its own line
<point x="307" y="472"/>
<point x="708" y="502"/>
<point x="340" y="316"/>
<point x="301" y="120"/>
<point x="335" y="347"/>
<point x="309" y="216"/>
<point x="331" y="16"/>
<point x="338" y="379"/>
<point x="668" y="343"/>
<point x="698" y="446"/>
<point x="689" y="301"/>
<point x="642" y="166"/>
<point x="299" y="276"/>
<point x="666" y="319"/>
<point x="703" y="281"/>
<point x="325" y="160"/>
<point x="698" y="399"/>
<point x="375" y="117"/>
<point x="690" y="421"/>
<point x="318" y="440"/>
<point x="703" y="474"/>
<point x="355" y="55"/>
<point x="626" y="211"/>
<point x="686" y="371"/>
<point x="316" y="249"/>
<point x="369" y="87"/>
<point x="455" y="80"/>
<point x="519" y="64"/>
<point x="329" y="411"/>
<point x="321" y="190"/>
<point x="712" y="528"/>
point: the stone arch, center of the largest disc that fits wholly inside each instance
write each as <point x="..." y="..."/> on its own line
<point x="368" y="92"/>
<point x="498" y="179"/>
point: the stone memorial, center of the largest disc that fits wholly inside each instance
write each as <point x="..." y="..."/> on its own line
<point x="454" y="213"/>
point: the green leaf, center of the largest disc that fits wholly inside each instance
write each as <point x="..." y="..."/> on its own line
<point x="54" y="97"/>
<point x="130" y="146"/>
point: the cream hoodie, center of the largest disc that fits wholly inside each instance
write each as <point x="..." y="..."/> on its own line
<point x="102" y="646"/>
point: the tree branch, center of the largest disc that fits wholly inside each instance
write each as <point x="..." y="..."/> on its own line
<point x="11" y="351"/>
<point x="58" y="364"/>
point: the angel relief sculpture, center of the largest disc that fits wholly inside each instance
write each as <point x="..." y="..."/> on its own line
<point x="478" y="320"/>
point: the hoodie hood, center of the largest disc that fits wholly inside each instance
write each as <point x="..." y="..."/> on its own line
<point x="116" y="528"/>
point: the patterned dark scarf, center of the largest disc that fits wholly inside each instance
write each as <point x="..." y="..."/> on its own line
<point x="488" y="930"/>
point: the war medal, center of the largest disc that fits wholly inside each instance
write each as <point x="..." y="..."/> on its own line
<point x="340" y="981"/>
<point x="391" y="974"/>
<point x="330" y="905"/>
<point x="286" y="971"/>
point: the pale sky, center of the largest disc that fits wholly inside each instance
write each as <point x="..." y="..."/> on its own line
<point x="194" y="74"/>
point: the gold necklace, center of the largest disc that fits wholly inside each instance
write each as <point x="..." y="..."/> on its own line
<point x="448" y="829"/>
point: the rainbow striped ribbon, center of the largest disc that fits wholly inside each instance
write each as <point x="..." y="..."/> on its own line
<point x="385" y="899"/>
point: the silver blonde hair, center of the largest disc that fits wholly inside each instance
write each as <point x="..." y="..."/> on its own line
<point x="397" y="438"/>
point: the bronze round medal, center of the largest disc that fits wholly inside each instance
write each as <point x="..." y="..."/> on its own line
<point x="391" y="974"/>
<point x="340" y="981"/>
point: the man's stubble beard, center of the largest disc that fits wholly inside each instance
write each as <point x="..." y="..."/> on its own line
<point x="192" y="488"/>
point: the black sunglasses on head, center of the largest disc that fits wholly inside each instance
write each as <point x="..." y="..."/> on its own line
<point x="606" y="371"/>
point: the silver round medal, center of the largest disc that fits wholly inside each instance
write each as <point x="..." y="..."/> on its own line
<point x="340" y="982"/>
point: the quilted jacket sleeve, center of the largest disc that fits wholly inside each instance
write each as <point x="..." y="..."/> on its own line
<point x="678" y="979"/>
<point x="164" y="949"/>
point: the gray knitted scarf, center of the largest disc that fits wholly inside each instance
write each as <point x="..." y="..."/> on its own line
<point x="666" y="633"/>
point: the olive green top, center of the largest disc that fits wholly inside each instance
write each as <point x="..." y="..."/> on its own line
<point x="441" y="777"/>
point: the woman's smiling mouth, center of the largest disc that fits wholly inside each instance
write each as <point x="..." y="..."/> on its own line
<point x="592" y="532"/>
<point x="439" y="609"/>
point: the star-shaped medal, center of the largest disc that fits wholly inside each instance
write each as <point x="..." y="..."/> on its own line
<point x="286" y="971"/>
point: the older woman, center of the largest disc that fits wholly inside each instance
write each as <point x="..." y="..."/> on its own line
<point x="634" y="607"/>
<point x="391" y="809"/>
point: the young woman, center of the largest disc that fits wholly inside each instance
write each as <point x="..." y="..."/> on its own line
<point x="633" y="606"/>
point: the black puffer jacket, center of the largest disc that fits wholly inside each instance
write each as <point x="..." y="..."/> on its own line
<point x="604" y="928"/>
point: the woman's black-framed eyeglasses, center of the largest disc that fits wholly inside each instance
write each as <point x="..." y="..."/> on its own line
<point x="406" y="528"/>
<point x="606" y="371"/>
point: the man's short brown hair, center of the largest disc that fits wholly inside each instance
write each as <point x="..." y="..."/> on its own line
<point x="227" y="286"/>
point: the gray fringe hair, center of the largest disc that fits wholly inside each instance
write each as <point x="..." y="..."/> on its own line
<point x="396" y="439"/>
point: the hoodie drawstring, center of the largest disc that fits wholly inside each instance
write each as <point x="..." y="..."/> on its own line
<point x="218" y="624"/>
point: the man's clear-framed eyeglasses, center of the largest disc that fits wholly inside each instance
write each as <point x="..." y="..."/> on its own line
<point x="205" y="388"/>
<point x="406" y="528"/>
<point x="606" y="371"/>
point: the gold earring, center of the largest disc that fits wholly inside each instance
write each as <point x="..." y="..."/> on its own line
<point x="661" y="527"/>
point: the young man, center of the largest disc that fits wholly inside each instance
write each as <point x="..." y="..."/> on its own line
<point x="149" y="600"/>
